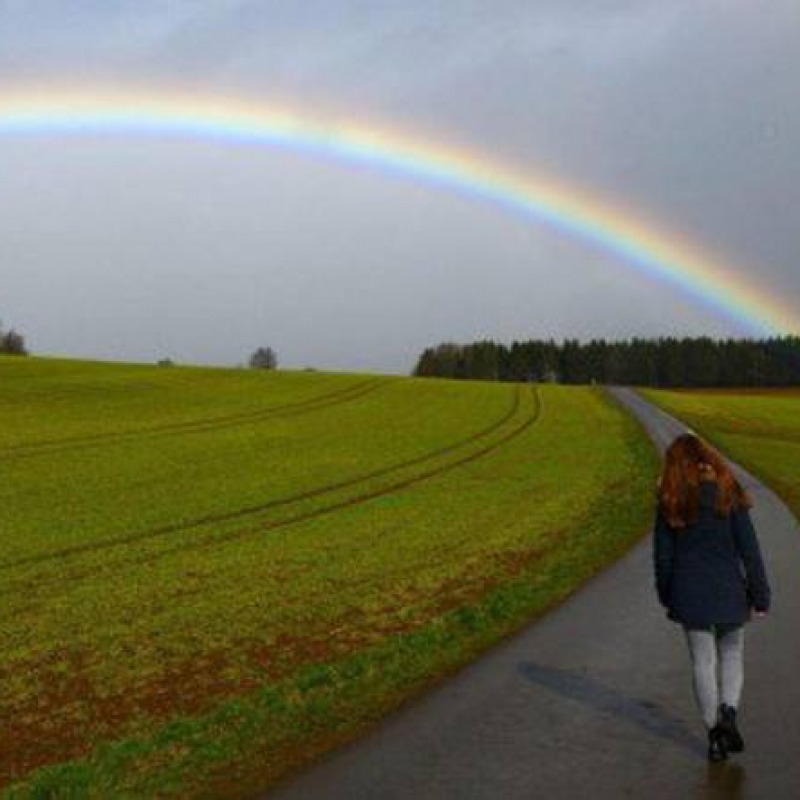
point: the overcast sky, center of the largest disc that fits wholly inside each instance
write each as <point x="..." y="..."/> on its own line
<point x="686" y="110"/>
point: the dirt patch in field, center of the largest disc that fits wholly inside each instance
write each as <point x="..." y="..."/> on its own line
<point x="70" y="713"/>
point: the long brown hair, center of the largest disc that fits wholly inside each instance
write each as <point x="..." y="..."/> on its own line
<point x="688" y="461"/>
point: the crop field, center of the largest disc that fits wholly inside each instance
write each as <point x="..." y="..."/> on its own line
<point x="211" y="576"/>
<point x="759" y="428"/>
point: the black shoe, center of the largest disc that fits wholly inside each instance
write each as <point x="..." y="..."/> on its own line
<point x="717" y="750"/>
<point x="727" y="721"/>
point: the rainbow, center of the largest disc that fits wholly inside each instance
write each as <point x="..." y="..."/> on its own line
<point x="657" y="253"/>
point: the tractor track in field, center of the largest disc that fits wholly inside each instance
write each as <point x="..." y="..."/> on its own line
<point x="297" y="518"/>
<point x="259" y="508"/>
<point x="200" y="425"/>
<point x="358" y="500"/>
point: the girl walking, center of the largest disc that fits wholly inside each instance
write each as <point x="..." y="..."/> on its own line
<point x="710" y="577"/>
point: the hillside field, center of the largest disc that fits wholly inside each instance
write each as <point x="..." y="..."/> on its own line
<point x="210" y="576"/>
<point x="759" y="428"/>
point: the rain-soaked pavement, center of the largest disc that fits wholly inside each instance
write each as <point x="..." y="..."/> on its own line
<point x="594" y="700"/>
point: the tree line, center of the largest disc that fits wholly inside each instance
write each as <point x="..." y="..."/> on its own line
<point x="691" y="362"/>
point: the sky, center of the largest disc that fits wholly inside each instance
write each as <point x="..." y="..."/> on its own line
<point x="686" y="113"/>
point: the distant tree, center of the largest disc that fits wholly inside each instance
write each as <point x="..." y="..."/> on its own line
<point x="427" y="364"/>
<point x="165" y="362"/>
<point x="264" y="358"/>
<point x="12" y="343"/>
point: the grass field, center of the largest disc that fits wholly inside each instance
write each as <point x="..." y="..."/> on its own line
<point x="210" y="576"/>
<point x="759" y="428"/>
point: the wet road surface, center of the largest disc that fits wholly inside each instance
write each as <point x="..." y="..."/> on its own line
<point x="594" y="700"/>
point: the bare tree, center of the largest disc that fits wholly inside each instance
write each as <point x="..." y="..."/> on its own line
<point x="12" y="343"/>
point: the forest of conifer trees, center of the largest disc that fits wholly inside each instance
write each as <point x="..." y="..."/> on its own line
<point x="659" y="362"/>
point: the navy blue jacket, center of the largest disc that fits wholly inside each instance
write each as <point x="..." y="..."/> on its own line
<point x="711" y="571"/>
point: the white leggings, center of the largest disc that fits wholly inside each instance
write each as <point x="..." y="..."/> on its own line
<point x="710" y="649"/>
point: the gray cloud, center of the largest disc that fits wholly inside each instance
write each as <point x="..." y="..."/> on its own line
<point x="686" y="113"/>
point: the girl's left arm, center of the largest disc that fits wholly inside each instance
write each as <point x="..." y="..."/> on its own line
<point x="663" y="557"/>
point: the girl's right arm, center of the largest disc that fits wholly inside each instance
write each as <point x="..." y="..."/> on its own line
<point x="746" y="540"/>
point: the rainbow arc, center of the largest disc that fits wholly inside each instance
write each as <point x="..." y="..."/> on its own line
<point x="658" y="253"/>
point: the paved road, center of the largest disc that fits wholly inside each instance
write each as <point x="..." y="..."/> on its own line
<point x="594" y="700"/>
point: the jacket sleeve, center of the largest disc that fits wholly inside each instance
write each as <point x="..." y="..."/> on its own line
<point x="744" y="535"/>
<point x="663" y="556"/>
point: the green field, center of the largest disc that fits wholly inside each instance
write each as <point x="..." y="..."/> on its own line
<point x="759" y="428"/>
<point x="210" y="576"/>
